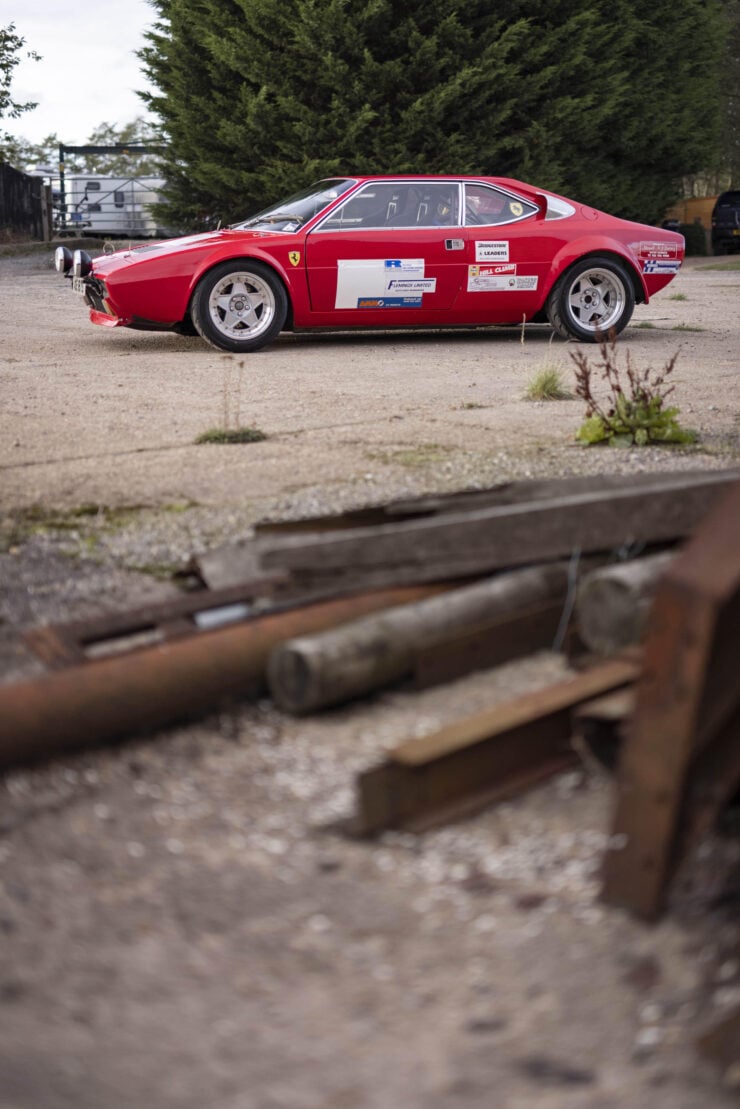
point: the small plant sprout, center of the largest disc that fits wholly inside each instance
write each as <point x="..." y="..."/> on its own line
<point x="231" y="435"/>
<point x="547" y="384"/>
<point x="633" y="415"/>
<point x="231" y="430"/>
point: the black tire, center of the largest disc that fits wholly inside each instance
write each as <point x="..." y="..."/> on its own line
<point x="594" y="298"/>
<point x="239" y="306"/>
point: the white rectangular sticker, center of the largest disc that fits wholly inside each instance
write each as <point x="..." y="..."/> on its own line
<point x="502" y="279"/>
<point x="660" y="265"/>
<point x="411" y="286"/>
<point x="659" y="250"/>
<point x="482" y="279"/>
<point x="405" y="267"/>
<point x="492" y="250"/>
<point x="366" y="279"/>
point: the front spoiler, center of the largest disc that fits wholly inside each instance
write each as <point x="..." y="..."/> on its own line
<point x="137" y="323"/>
<point x="104" y="320"/>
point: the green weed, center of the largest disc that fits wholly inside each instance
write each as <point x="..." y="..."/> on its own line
<point x="231" y="435"/>
<point x="633" y="415"/>
<point x="547" y="384"/>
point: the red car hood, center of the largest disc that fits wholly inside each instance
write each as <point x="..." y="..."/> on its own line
<point x="187" y="243"/>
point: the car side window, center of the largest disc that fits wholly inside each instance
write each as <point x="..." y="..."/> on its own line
<point x="485" y="206"/>
<point x="397" y="204"/>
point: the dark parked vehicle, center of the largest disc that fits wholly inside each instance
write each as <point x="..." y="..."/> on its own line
<point x="726" y="222"/>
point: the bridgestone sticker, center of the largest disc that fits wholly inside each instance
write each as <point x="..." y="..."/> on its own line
<point x="492" y="250"/>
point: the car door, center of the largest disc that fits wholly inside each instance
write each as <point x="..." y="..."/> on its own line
<point x="393" y="253"/>
<point x="509" y="251"/>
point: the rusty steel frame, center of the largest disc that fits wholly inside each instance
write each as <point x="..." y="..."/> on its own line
<point x="681" y="758"/>
<point x="75" y="641"/>
<point x="468" y="764"/>
<point x="107" y="699"/>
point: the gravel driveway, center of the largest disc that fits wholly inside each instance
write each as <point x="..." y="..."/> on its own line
<point x="181" y="924"/>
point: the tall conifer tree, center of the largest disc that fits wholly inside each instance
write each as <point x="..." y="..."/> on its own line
<point x="607" y="101"/>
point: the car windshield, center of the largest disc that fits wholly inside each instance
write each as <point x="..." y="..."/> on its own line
<point x="288" y="215"/>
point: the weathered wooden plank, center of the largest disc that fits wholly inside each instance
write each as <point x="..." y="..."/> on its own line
<point x="480" y="541"/>
<point x="469" y="500"/>
<point x="489" y="643"/>
<point x="613" y="602"/>
<point x="234" y="563"/>
<point x="345" y="662"/>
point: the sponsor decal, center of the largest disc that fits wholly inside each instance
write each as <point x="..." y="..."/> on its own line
<point x="294" y="257"/>
<point x="492" y="250"/>
<point x="660" y="265"/>
<point x="515" y="208"/>
<point x="658" y="250"/>
<point x="389" y="302"/>
<point x="409" y="267"/>
<point x="366" y="279"/>
<point x="412" y="284"/>
<point x="502" y="279"/>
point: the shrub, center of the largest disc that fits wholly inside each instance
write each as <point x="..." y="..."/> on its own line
<point x="695" y="236"/>
<point x="231" y="435"/>
<point x="547" y="384"/>
<point x="634" y="415"/>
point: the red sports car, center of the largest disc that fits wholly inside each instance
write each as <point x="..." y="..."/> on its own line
<point x="381" y="252"/>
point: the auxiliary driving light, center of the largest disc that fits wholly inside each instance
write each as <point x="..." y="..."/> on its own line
<point x="81" y="263"/>
<point x="62" y="259"/>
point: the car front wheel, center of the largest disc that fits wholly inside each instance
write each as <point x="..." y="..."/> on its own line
<point x="595" y="297"/>
<point x="239" y="306"/>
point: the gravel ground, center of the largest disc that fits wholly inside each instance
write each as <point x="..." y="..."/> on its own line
<point x="183" y="924"/>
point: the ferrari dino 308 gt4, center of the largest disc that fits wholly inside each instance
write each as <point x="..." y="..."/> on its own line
<point x="382" y="252"/>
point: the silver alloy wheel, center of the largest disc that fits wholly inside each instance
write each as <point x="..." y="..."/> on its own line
<point x="241" y="305"/>
<point x="596" y="300"/>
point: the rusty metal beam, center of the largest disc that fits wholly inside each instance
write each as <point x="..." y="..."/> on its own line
<point x="482" y="758"/>
<point x="116" y="697"/>
<point x="60" y="645"/>
<point x="686" y="700"/>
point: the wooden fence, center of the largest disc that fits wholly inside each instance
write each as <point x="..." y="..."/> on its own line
<point x="24" y="205"/>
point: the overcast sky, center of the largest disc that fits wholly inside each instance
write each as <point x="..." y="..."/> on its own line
<point x="89" y="71"/>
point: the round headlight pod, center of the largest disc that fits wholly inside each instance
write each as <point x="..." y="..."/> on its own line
<point x="62" y="259"/>
<point x="81" y="263"/>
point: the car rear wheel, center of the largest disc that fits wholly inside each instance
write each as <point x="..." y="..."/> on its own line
<point x="239" y="306"/>
<point x="595" y="297"/>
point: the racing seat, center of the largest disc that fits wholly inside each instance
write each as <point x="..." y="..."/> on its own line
<point x="424" y="208"/>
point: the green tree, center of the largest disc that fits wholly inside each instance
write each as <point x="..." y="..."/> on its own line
<point x="139" y="132"/>
<point x="27" y="156"/>
<point x="11" y="45"/>
<point x="730" y="98"/>
<point x="609" y="101"/>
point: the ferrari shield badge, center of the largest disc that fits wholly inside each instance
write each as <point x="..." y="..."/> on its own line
<point x="294" y="257"/>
